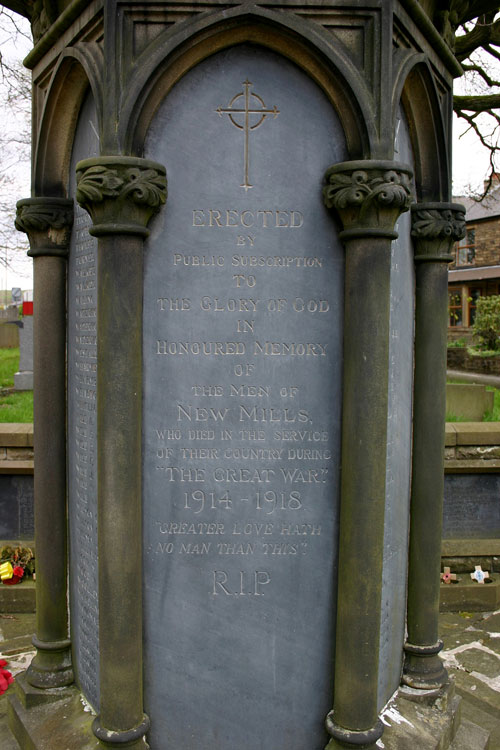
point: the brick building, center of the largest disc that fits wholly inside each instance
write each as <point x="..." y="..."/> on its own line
<point x="476" y="269"/>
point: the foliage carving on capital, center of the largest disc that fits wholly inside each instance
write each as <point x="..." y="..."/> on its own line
<point x="120" y="193"/>
<point x="47" y="222"/>
<point x="435" y="227"/>
<point x="389" y="188"/>
<point x="368" y="195"/>
<point x="434" y="223"/>
<point x="41" y="217"/>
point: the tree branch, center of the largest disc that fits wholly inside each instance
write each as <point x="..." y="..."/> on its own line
<point x="482" y="103"/>
<point x="476" y="8"/>
<point x="481" y="72"/>
<point x="481" y="35"/>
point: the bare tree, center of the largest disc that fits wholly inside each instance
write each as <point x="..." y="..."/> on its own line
<point x="472" y="29"/>
<point x="15" y="138"/>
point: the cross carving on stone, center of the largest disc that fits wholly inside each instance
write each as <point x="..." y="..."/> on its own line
<point x="247" y="118"/>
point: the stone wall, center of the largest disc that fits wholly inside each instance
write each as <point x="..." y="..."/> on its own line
<point x="16" y="448"/>
<point x="458" y="358"/>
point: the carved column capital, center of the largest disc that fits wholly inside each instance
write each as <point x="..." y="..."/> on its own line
<point x="47" y="222"/>
<point x="435" y="227"/>
<point x="368" y="196"/>
<point x="121" y="193"/>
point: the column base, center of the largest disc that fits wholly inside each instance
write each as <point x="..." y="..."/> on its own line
<point x="350" y="738"/>
<point x="423" y="669"/>
<point x="51" y="666"/>
<point x="134" y="739"/>
<point x="41" y="719"/>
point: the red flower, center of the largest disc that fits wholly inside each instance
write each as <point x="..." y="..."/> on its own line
<point x="18" y="571"/>
<point x="6" y="678"/>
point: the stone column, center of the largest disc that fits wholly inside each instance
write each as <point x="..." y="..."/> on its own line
<point x="47" y="222"/>
<point x="121" y="194"/>
<point x="435" y="227"/>
<point x="368" y="196"/>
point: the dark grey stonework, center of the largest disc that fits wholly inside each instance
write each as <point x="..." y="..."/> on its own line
<point x="243" y="313"/>
<point x="16" y="506"/>
<point x="471" y="506"/>
<point x="82" y="477"/>
<point x="399" y="427"/>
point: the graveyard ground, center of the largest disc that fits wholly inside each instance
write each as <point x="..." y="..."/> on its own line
<point x="471" y="653"/>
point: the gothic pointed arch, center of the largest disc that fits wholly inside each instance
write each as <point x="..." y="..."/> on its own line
<point x="169" y="57"/>
<point x="78" y="70"/>
<point x="426" y="111"/>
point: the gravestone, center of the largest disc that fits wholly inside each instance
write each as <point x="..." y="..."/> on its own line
<point x="23" y="379"/>
<point x="471" y="506"/>
<point x="242" y="392"/>
<point x="16" y="507"/>
<point x="468" y="401"/>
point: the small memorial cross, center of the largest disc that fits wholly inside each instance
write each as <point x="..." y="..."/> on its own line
<point x="479" y="575"/>
<point x="447" y="576"/>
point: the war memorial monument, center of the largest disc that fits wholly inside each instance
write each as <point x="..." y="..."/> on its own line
<point x="239" y="399"/>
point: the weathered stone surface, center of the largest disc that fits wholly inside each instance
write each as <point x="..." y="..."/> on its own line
<point x="82" y="391"/>
<point x="469" y="401"/>
<point x="478" y="451"/>
<point x="471" y="506"/>
<point x="399" y="428"/>
<point x="16" y="507"/>
<point x="242" y="388"/>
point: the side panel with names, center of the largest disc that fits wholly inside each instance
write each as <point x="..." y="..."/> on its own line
<point x="82" y="404"/>
<point x="243" y="317"/>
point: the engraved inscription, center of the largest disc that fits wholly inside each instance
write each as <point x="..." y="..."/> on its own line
<point x="82" y="336"/>
<point x="243" y="306"/>
<point x="82" y="416"/>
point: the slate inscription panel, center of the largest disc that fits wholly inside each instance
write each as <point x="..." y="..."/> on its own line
<point x="399" y="426"/>
<point x="16" y="507"/>
<point x="82" y="391"/>
<point x="243" y="315"/>
<point x="471" y="506"/>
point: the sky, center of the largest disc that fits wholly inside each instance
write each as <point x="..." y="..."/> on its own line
<point x="470" y="168"/>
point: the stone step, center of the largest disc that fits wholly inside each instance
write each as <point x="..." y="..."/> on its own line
<point x="484" y="718"/>
<point x="469" y="736"/>
<point x="469" y="596"/>
<point x="18" y="598"/>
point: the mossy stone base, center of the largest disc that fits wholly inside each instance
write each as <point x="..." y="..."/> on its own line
<point x="49" y="719"/>
<point x="468" y="596"/>
<point x="411" y="722"/>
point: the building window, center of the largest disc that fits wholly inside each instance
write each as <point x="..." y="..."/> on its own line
<point x="465" y="249"/>
<point x="474" y="294"/>
<point x="455" y="306"/>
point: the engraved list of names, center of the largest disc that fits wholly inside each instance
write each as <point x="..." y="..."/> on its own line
<point x="82" y="427"/>
<point x="243" y="322"/>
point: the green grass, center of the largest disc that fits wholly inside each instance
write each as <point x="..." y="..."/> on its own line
<point x="9" y="362"/>
<point x="454" y="418"/>
<point x="494" y="414"/>
<point x="16" y="406"/>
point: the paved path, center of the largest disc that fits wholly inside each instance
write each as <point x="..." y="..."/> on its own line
<point x="471" y="653"/>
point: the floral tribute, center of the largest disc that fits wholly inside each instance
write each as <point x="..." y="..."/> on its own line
<point x="6" y="678"/>
<point x="15" y="563"/>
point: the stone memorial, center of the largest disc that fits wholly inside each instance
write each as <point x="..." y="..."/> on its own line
<point x="16" y="506"/>
<point x="235" y="373"/>
<point x="23" y="379"/>
<point x="471" y="507"/>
